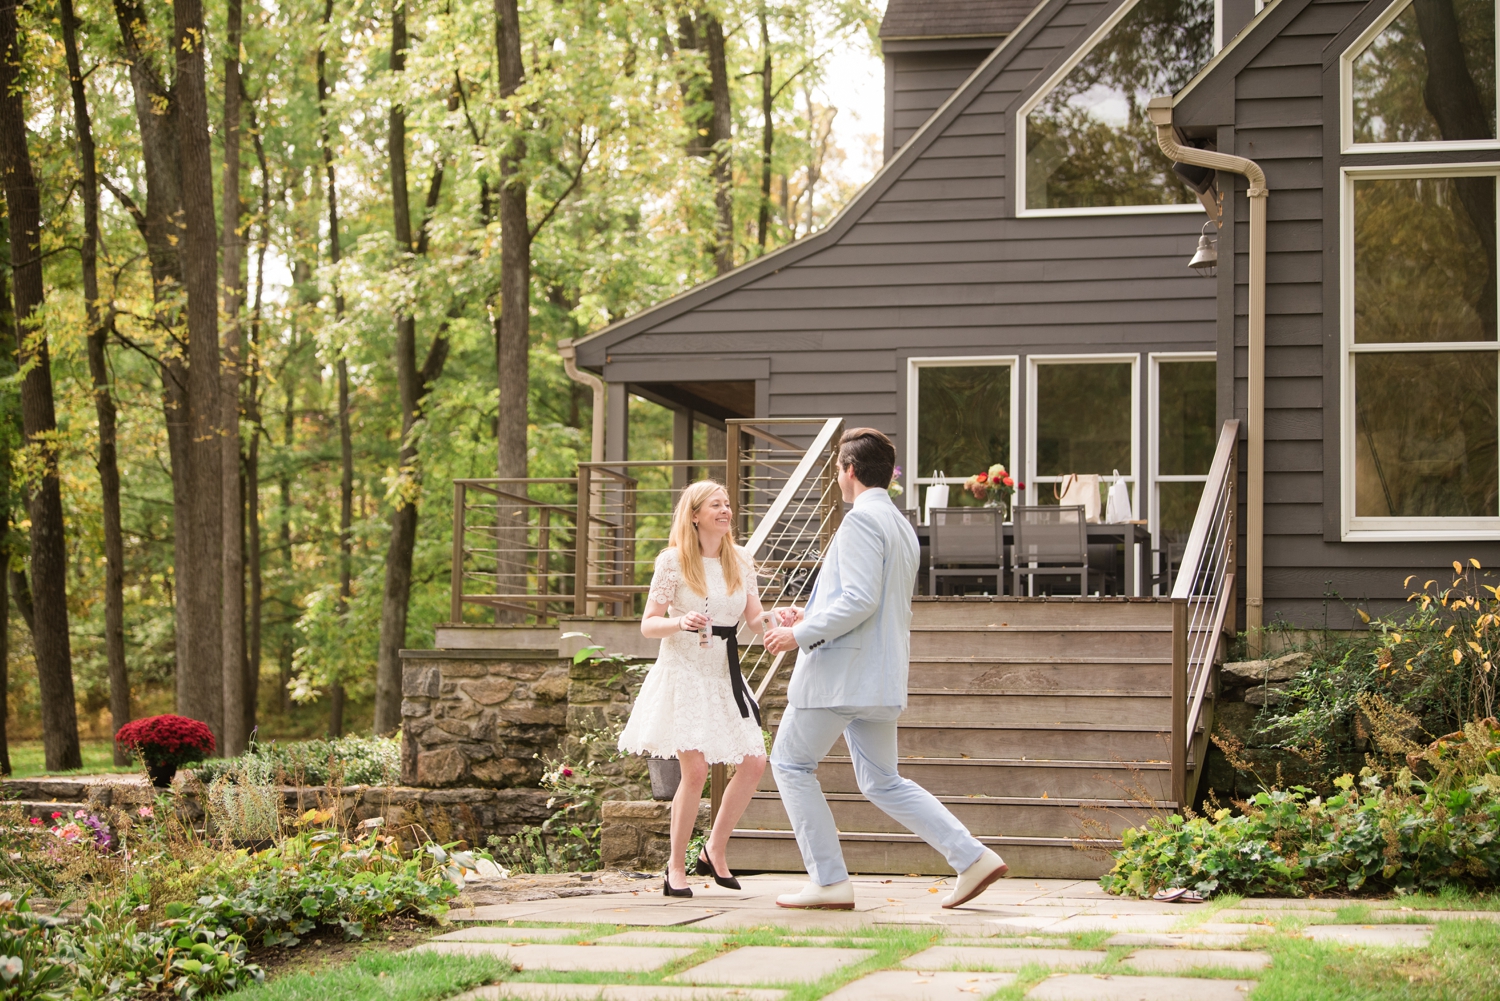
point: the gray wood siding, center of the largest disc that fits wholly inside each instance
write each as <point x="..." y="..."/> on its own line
<point x="1285" y="113"/>
<point x="919" y="83"/>
<point x="937" y="262"/>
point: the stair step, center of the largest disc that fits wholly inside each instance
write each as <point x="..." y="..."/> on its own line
<point x="982" y="815"/>
<point x="867" y="852"/>
<point x="1043" y="675"/>
<point x="1104" y="643"/>
<point x="1139" y="780"/>
<point x="1012" y="741"/>
<point x="1039" y="710"/>
<point x="1119" y="612"/>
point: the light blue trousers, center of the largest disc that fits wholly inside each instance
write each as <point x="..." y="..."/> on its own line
<point x="805" y="736"/>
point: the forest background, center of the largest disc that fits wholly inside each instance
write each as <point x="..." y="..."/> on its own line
<point x="256" y="310"/>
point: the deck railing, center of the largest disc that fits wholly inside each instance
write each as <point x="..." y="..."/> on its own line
<point x="517" y="547"/>
<point x="1203" y="602"/>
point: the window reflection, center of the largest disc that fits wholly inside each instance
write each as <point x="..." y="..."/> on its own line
<point x="1424" y="260"/>
<point x="963" y="421"/>
<point x="1426" y="442"/>
<point x="1186" y="406"/>
<point x="1178" y="507"/>
<point x="1429" y="76"/>
<point x="1082" y="419"/>
<point x="1089" y="143"/>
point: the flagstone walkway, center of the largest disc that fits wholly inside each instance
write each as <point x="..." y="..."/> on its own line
<point x="1054" y="940"/>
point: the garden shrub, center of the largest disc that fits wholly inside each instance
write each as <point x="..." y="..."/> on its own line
<point x="1433" y="823"/>
<point x="245" y="804"/>
<point x="340" y="760"/>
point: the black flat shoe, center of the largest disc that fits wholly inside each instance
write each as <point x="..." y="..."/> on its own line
<point x="668" y="890"/>
<point x="706" y="868"/>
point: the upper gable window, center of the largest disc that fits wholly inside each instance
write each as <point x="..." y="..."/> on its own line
<point x="1424" y="73"/>
<point x="1089" y="144"/>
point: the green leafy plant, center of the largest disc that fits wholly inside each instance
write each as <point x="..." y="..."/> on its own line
<point x="342" y="760"/>
<point x="245" y="804"/>
<point x="1377" y="834"/>
<point x="28" y="971"/>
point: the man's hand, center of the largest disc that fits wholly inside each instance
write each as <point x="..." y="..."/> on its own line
<point x="780" y="640"/>
<point x="790" y="615"/>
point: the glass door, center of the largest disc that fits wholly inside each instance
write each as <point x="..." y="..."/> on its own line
<point x="1182" y="450"/>
<point x="1083" y="420"/>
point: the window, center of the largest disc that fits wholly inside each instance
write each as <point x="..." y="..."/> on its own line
<point x="1424" y="73"/>
<point x="1083" y="410"/>
<point x="961" y="421"/>
<point x="1184" y="437"/>
<point x="1088" y="142"/>
<point x="1422" y="363"/>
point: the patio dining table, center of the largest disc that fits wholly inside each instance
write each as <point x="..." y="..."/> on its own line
<point x="1130" y="534"/>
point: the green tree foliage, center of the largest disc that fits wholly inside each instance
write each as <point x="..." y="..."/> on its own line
<point x="622" y="215"/>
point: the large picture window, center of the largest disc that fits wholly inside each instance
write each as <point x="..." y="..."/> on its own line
<point x="1424" y="74"/>
<point x="961" y="422"/>
<point x="1088" y="143"/>
<point x="1083" y="420"/>
<point x="1422" y="365"/>
<point x="1184" y="436"/>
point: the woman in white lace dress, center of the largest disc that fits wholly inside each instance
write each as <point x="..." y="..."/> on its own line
<point x="693" y="705"/>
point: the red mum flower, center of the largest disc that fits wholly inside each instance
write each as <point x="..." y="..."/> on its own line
<point x="167" y="739"/>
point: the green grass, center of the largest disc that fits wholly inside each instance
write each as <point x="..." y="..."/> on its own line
<point x="388" y="976"/>
<point x="27" y="760"/>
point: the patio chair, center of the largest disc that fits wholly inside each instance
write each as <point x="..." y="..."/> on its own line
<point x="966" y="542"/>
<point x="1050" y="542"/>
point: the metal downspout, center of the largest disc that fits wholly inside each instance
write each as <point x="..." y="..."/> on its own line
<point x="569" y="356"/>
<point x="1160" y="110"/>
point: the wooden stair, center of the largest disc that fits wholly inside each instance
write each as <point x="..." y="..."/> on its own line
<point x="1042" y="723"/>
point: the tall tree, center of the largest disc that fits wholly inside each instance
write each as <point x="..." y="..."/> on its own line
<point x="104" y="400"/>
<point x="413" y="384"/>
<point x="768" y="130"/>
<point x="232" y="515"/>
<point x="203" y="693"/>
<point x="346" y="432"/>
<point x="54" y="659"/>
<point x="256" y="611"/>
<point x="181" y="246"/>
<point x="710" y="119"/>
<point x="8" y="422"/>
<point x="513" y="324"/>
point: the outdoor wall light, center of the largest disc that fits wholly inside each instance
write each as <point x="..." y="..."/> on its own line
<point x="1206" y="260"/>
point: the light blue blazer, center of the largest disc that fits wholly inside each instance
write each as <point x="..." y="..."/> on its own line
<point x="855" y="637"/>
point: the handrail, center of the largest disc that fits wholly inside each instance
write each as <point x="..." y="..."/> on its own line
<point x="794" y="485"/>
<point x="1203" y="598"/>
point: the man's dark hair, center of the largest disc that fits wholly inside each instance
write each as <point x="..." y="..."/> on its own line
<point x="871" y="454"/>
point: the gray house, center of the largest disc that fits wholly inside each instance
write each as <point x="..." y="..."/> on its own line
<point x="1014" y="284"/>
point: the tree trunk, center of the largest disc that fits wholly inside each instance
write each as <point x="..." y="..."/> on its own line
<point x="288" y="439"/>
<point x="7" y="417"/>
<point x="513" y="322"/>
<point x="768" y="135"/>
<point x="203" y="694"/>
<point x="720" y="135"/>
<point x="252" y="456"/>
<point x="54" y="660"/>
<point x="104" y="402"/>
<point x="346" y="434"/>
<point x="232" y="509"/>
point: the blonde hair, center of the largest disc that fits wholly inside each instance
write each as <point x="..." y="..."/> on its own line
<point x="684" y="539"/>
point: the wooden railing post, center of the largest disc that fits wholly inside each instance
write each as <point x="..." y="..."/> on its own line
<point x="1180" y="736"/>
<point x="456" y="592"/>
<point x="732" y="476"/>
<point x="581" y="541"/>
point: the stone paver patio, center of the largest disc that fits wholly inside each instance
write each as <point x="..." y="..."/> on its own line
<point x="698" y="950"/>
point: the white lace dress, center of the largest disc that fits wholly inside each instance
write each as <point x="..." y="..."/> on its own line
<point x="687" y="702"/>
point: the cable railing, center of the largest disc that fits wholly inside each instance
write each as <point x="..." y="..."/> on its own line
<point x="1203" y="601"/>
<point x="517" y="547"/>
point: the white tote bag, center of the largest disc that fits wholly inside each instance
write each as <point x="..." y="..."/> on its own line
<point x="1117" y="510"/>
<point x="1080" y="489"/>
<point x="937" y="496"/>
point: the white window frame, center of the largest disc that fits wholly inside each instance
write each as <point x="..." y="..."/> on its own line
<point x="1154" y="475"/>
<point x="1346" y="94"/>
<point x="914" y="483"/>
<point x="1354" y="528"/>
<point x="1022" y="210"/>
<point x="1132" y="476"/>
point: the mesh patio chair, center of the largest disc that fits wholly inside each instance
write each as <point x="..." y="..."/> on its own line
<point x="966" y="542"/>
<point x="1050" y="542"/>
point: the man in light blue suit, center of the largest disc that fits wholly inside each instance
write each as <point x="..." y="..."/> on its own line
<point x="854" y="642"/>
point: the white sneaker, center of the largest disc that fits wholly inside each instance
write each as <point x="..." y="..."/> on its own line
<point x="976" y="879"/>
<point x="834" y="897"/>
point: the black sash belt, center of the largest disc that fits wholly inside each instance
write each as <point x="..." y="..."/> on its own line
<point x="736" y="679"/>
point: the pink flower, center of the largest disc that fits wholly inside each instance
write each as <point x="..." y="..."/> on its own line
<point x="567" y="773"/>
<point x="146" y="812"/>
<point x="57" y="816"/>
<point x="37" y="821"/>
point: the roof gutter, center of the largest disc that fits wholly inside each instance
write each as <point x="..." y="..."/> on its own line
<point x="1160" y="110"/>
<point x="569" y="354"/>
